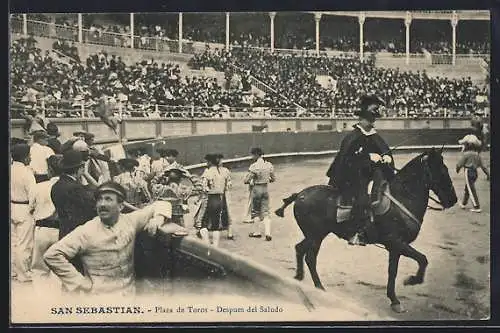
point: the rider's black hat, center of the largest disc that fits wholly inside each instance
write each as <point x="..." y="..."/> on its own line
<point x="365" y="102"/>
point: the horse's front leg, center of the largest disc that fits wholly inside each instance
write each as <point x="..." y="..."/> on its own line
<point x="421" y="259"/>
<point x="394" y="256"/>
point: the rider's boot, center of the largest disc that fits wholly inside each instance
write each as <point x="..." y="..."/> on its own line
<point x="359" y="237"/>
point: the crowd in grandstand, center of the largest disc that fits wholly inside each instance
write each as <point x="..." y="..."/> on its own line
<point x="152" y="89"/>
<point x="138" y="87"/>
<point x="296" y="77"/>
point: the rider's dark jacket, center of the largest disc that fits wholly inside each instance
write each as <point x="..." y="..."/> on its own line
<point x="342" y="173"/>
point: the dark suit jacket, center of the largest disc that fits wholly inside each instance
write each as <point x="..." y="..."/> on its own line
<point x="75" y="204"/>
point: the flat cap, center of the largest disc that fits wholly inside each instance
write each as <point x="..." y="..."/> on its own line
<point x="112" y="187"/>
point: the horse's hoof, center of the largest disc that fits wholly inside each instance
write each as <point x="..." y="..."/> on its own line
<point x="321" y="287"/>
<point x="299" y="277"/>
<point x="413" y="280"/>
<point x="398" y="308"/>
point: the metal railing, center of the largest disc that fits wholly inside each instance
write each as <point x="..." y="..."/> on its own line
<point x="157" y="111"/>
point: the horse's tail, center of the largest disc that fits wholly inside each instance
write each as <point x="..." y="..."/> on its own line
<point x="286" y="202"/>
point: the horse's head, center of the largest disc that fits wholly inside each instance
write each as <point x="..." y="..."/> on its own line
<point x="437" y="177"/>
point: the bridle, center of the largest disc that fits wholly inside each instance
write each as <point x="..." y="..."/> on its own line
<point x="428" y="179"/>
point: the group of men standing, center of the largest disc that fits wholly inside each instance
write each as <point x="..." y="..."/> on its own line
<point x="47" y="187"/>
<point x="76" y="213"/>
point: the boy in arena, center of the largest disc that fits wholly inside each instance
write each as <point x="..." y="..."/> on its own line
<point x="471" y="161"/>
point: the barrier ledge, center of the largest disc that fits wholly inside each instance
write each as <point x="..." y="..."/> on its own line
<point x="320" y="153"/>
<point x="336" y="303"/>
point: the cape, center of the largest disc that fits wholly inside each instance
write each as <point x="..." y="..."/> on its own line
<point x="340" y="171"/>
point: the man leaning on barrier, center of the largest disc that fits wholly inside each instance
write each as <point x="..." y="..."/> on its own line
<point x="105" y="244"/>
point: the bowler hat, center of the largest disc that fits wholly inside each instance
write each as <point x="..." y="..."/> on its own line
<point x="112" y="187"/>
<point x="365" y="102"/>
<point x="52" y="129"/>
<point x="212" y="158"/>
<point x="128" y="163"/>
<point x="71" y="159"/>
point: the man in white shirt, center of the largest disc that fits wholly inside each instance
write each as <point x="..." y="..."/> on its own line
<point x="105" y="244"/>
<point x="44" y="213"/>
<point x="22" y="183"/>
<point x="39" y="154"/>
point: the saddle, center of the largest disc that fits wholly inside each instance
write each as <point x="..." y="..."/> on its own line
<point x="379" y="207"/>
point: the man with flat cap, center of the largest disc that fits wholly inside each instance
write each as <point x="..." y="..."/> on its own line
<point x="362" y="141"/>
<point x="39" y="153"/>
<point x="106" y="244"/>
<point x="22" y="185"/>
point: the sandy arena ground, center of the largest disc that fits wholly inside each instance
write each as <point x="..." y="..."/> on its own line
<point x="455" y="241"/>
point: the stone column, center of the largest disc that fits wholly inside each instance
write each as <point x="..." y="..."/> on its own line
<point x="272" y="15"/>
<point x="317" y="18"/>
<point x="361" y="19"/>
<point x="180" y="33"/>
<point x="454" y="23"/>
<point x="131" y="30"/>
<point x="25" y="25"/>
<point x="408" y="20"/>
<point x="227" y="31"/>
<point x="80" y="28"/>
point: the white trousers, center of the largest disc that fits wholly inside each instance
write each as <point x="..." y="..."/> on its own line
<point x="44" y="238"/>
<point x="22" y="229"/>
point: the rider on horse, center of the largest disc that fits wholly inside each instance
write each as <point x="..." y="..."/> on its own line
<point x="343" y="171"/>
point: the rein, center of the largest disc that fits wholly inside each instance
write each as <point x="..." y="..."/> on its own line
<point x="430" y="196"/>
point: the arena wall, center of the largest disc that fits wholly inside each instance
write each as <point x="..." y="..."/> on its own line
<point x="193" y="149"/>
<point x="234" y="138"/>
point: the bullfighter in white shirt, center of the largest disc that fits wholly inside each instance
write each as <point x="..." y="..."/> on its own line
<point x="39" y="154"/>
<point x="44" y="213"/>
<point x="22" y="183"/>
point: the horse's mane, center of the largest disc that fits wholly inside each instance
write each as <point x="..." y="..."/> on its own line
<point x="411" y="165"/>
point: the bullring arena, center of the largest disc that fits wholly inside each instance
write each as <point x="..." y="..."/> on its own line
<point x="300" y="140"/>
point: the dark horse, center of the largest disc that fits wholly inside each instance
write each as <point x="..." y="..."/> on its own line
<point x="315" y="212"/>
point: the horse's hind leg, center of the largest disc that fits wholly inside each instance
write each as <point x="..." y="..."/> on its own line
<point x="300" y="251"/>
<point x="311" y="257"/>
<point x="394" y="256"/>
<point x="421" y="259"/>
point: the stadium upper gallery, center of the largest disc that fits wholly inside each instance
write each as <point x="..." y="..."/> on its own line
<point x="250" y="65"/>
